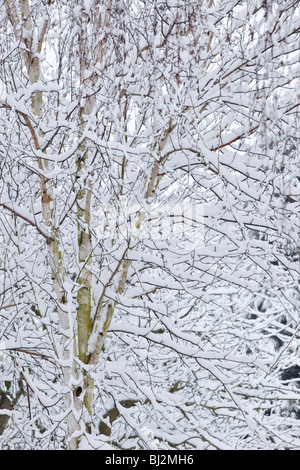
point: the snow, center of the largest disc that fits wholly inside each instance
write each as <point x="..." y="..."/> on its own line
<point x="2" y="91"/>
<point x="197" y="105"/>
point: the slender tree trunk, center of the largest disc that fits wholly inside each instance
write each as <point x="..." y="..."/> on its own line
<point x="32" y="63"/>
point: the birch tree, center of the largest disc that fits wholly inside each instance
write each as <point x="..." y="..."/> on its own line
<point x="149" y="193"/>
